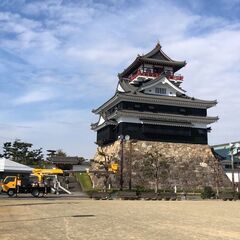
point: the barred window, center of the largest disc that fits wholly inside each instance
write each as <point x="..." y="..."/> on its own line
<point x="161" y="90"/>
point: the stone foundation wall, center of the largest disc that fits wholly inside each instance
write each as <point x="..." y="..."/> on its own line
<point x="190" y="166"/>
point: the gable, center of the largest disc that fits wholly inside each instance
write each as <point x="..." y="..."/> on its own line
<point x="159" y="56"/>
<point x="120" y="88"/>
<point x="162" y="87"/>
<point x="101" y="120"/>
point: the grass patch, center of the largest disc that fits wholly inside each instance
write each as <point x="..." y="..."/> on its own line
<point x="84" y="180"/>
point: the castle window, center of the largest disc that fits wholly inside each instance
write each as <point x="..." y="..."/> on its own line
<point x="150" y="107"/>
<point x="148" y="70"/>
<point x="137" y="106"/>
<point x="161" y="90"/>
<point x="157" y="70"/>
<point x="182" y="110"/>
<point x="201" y="132"/>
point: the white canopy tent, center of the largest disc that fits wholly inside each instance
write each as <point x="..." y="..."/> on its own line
<point x="7" y="165"/>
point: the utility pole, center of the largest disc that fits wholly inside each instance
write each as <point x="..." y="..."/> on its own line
<point x="130" y="167"/>
<point x="122" y="139"/>
<point x="131" y="142"/>
<point x="232" y="163"/>
<point x="121" y="165"/>
<point x="234" y="148"/>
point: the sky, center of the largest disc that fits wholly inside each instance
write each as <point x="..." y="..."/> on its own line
<point x="59" y="59"/>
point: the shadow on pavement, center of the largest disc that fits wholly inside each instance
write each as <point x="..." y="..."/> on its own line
<point x="47" y="218"/>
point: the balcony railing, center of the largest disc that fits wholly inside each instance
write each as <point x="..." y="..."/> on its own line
<point x="140" y="73"/>
<point x="176" y="77"/>
<point x="144" y="74"/>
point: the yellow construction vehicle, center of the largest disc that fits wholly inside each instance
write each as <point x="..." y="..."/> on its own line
<point x="36" y="183"/>
<point x="113" y="167"/>
<point x="41" y="173"/>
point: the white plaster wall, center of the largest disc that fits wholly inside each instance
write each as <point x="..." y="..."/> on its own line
<point x="199" y="125"/>
<point x="169" y="91"/>
<point x="236" y="176"/>
<point x="128" y="119"/>
<point x="136" y="120"/>
<point x="101" y="120"/>
<point x="119" y="88"/>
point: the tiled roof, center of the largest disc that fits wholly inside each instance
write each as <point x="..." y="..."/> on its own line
<point x="136" y="96"/>
<point x="163" y="116"/>
<point x="65" y="160"/>
<point x="155" y="56"/>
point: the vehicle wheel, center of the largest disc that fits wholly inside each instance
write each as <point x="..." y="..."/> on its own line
<point x="41" y="194"/>
<point x="11" y="192"/>
<point x="35" y="192"/>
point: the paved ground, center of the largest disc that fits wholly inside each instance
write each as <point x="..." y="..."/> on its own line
<point x="74" y="218"/>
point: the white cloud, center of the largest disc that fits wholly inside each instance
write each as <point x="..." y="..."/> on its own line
<point x="34" y="96"/>
<point x="67" y="129"/>
<point x="73" y="52"/>
<point x="212" y="73"/>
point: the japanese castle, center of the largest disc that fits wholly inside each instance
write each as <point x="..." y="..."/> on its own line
<point x="150" y="105"/>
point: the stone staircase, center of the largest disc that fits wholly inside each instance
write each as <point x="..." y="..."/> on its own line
<point x="73" y="185"/>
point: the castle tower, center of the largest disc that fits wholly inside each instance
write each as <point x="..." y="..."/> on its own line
<point x="150" y="105"/>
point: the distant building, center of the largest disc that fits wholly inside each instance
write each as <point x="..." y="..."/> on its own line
<point x="66" y="163"/>
<point x="222" y="152"/>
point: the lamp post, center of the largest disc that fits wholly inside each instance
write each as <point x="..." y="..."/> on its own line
<point x="130" y="167"/>
<point x="130" y="163"/>
<point x="122" y="139"/>
<point x="232" y="164"/>
<point x="234" y="149"/>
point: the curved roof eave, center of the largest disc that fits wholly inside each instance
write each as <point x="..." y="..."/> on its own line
<point x="207" y="120"/>
<point x="154" y="99"/>
<point x="114" y="97"/>
<point x="147" y="58"/>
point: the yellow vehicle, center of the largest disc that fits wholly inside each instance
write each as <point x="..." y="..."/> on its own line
<point x="40" y="172"/>
<point x="113" y="167"/>
<point x="34" y="184"/>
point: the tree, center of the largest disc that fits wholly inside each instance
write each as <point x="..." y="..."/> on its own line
<point x="21" y="152"/>
<point x="60" y="153"/>
<point x="216" y="174"/>
<point x="107" y="161"/>
<point x="156" y="167"/>
<point x="7" y="147"/>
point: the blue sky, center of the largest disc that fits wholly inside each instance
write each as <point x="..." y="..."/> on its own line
<point x="60" y="59"/>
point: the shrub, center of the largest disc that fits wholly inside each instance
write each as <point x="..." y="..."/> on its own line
<point x="140" y="189"/>
<point x="208" y="193"/>
<point x="237" y="196"/>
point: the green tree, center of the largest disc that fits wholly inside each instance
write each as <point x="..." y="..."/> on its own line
<point x="155" y="167"/>
<point x="7" y="149"/>
<point x="216" y="173"/>
<point x="105" y="164"/>
<point x="22" y="152"/>
<point x="60" y="153"/>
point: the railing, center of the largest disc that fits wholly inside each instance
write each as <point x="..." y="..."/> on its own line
<point x="144" y="74"/>
<point x="151" y="74"/>
<point x="176" y="77"/>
